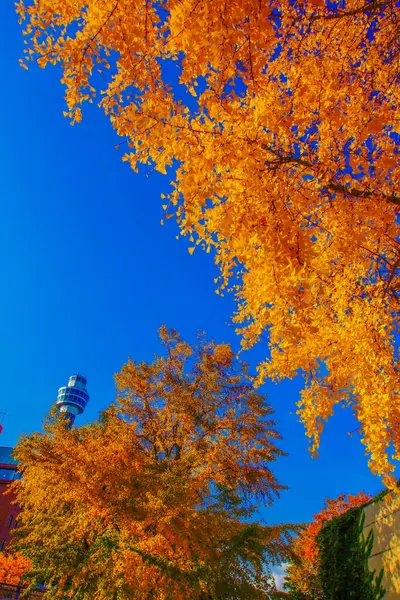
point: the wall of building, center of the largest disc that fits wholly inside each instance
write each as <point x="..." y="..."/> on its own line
<point x="8" y="515"/>
<point x="8" y="511"/>
<point x="383" y="518"/>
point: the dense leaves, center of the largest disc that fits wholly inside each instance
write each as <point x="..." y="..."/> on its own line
<point x="154" y="500"/>
<point x="303" y="573"/>
<point x="13" y="567"/>
<point x="282" y="139"/>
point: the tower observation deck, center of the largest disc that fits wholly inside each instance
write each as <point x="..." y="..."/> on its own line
<point x="72" y="398"/>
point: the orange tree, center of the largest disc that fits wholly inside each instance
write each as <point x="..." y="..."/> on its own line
<point x="154" y="500"/>
<point x="302" y="574"/>
<point x="13" y="567"/>
<point x="281" y="139"/>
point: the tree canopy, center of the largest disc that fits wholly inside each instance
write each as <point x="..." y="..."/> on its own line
<point x="13" y="567"/>
<point x="155" y="499"/>
<point x="302" y="577"/>
<point x="278" y="124"/>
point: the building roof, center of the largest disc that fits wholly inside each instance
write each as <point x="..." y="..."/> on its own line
<point x="6" y="457"/>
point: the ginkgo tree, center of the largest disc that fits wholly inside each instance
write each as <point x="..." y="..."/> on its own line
<point x="154" y="500"/>
<point x="281" y="139"/>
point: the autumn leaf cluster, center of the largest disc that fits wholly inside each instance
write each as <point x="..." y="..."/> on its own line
<point x="155" y="500"/>
<point x="282" y="142"/>
<point x="302" y="574"/>
<point x="13" y="567"/>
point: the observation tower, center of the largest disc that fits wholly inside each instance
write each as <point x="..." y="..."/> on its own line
<point x="72" y="398"/>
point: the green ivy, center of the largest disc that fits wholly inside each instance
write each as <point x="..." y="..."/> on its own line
<point x="343" y="556"/>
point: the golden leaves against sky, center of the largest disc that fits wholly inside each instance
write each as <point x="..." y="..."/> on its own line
<point x="288" y="168"/>
<point x="154" y="500"/>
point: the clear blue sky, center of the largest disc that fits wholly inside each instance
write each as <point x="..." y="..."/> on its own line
<point x="88" y="276"/>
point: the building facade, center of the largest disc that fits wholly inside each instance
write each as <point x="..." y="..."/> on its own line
<point x="383" y="518"/>
<point x="8" y="511"/>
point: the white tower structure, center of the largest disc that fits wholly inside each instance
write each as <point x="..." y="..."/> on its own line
<point x="72" y="398"/>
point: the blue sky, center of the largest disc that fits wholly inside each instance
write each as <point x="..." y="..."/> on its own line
<point x="88" y="276"/>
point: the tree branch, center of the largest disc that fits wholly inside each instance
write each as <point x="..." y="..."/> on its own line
<point x="334" y="187"/>
<point x="369" y="6"/>
<point x="88" y="45"/>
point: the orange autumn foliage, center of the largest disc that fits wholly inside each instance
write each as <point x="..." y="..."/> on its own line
<point x="302" y="574"/>
<point x="13" y="567"/>
<point x="281" y="139"/>
<point x="153" y="501"/>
